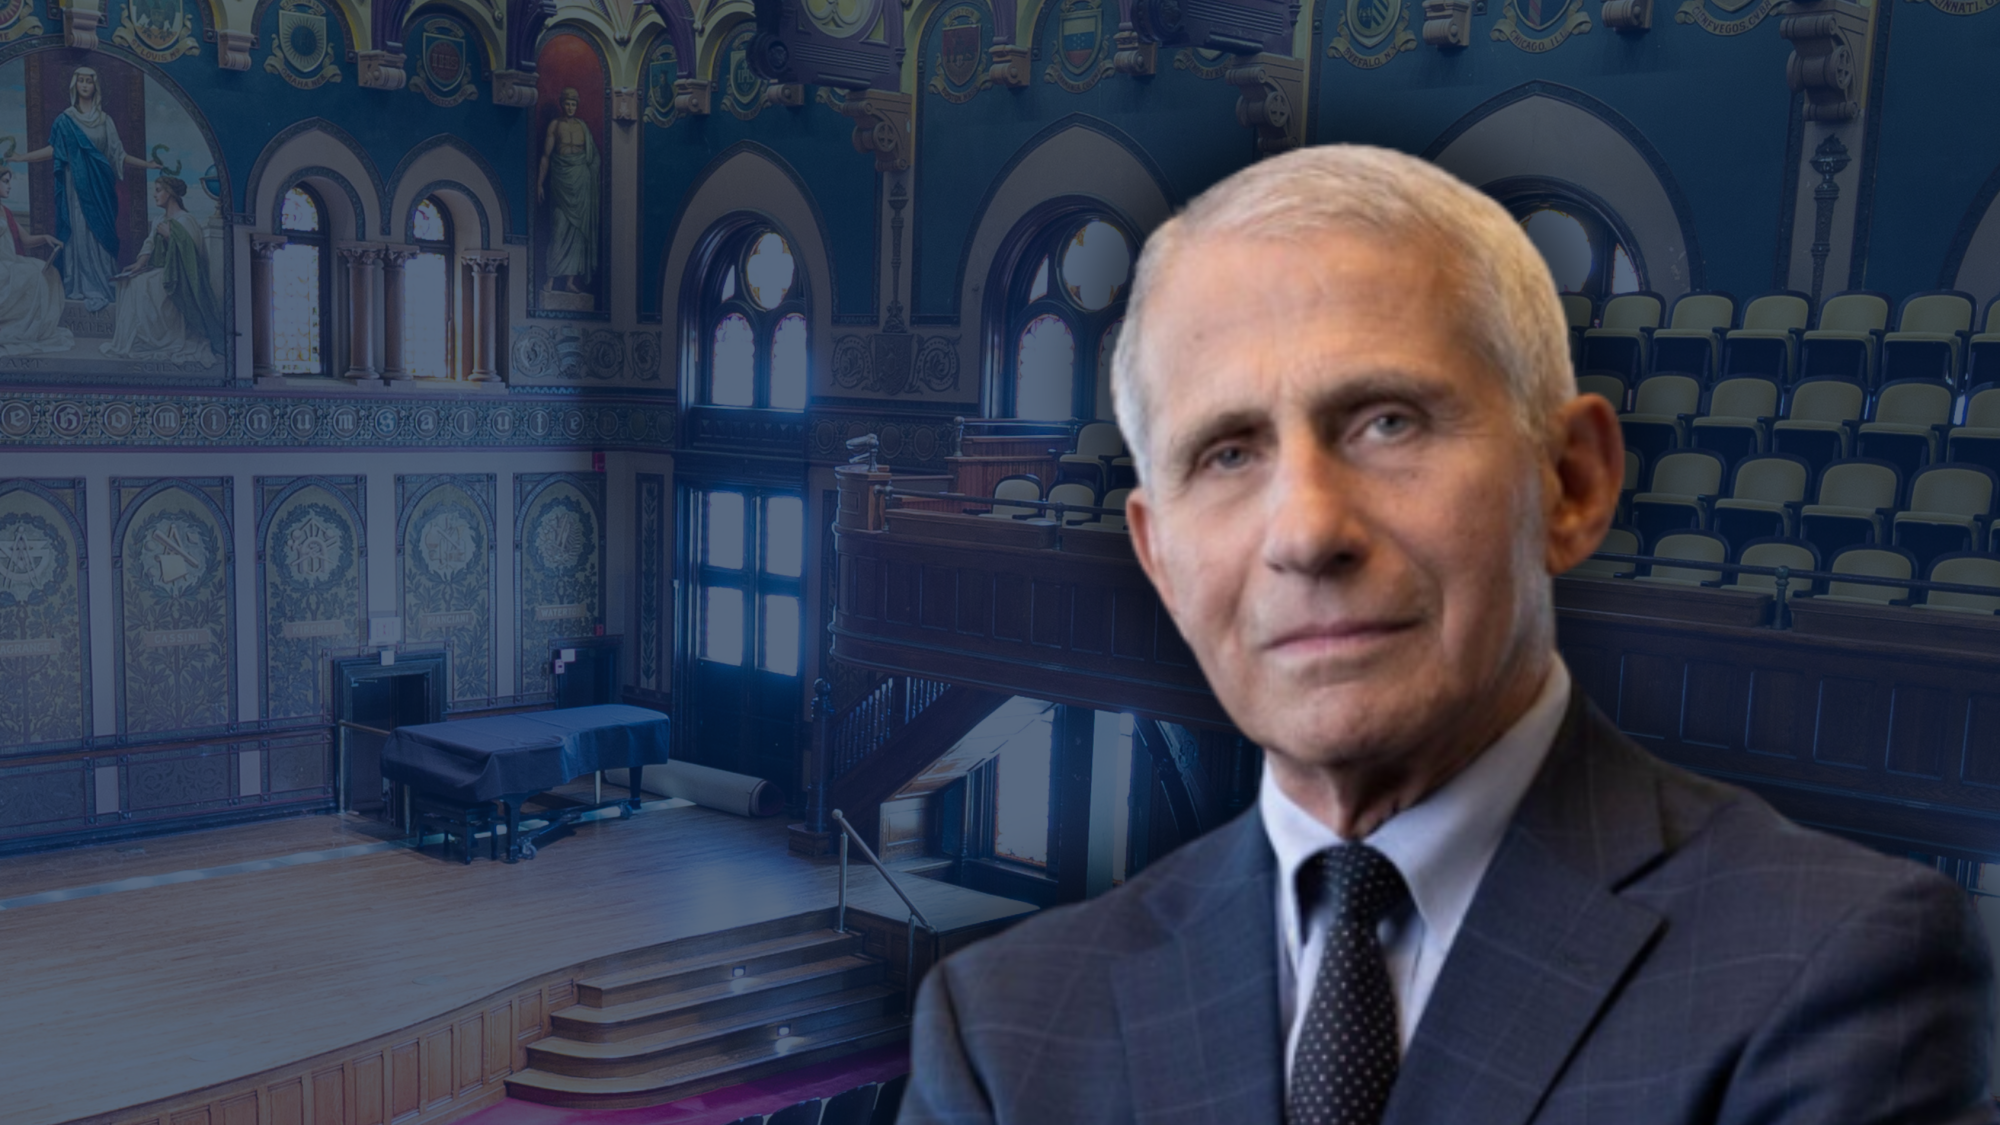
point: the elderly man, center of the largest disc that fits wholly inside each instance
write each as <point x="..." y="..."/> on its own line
<point x="1463" y="897"/>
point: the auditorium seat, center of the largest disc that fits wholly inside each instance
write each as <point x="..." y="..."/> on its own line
<point x="1978" y="440"/>
<point x="1683" y="484"/>
<point x="1694" y="546"/>
<point x="1964" y="570"/>
<point x="1608" y="385"/>
<point x="1617" y="541"/>
<point x="1768" y="342"/>
<point x="1763" y="491"/>
<point x="802" y="1113"/>
<point x="1871" y="562"/>
<point x="854" y="1107"/>
<point x="891" y="1101"/>
<point x="1982" y="351"/>
<point x="1845" y="341"/>
<point x="1619" y="343"/>
<point x="1579" y="311"/>
<point x="1097" y="444"/>
<point x="1692" y="340"/>
<point x="1072" y="492"/>
<point x="1929" y="339"/>
<point x="1775" y="552"/>
<point x="1660" y="410"/>
<point x="1902" y="427"/>
<point x="1635" y="474"/>
<point x="1949" y="510"/>
<point x="1114" y="499"/>
<point x="1738" y="410"/>
<point x="1019" y="487"/>
<point x="1851" y="505"/>
<point x="1816" y="417"/>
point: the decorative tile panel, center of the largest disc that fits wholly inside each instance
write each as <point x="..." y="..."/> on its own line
<point x="174" y="619"/>
<point x="444" y="546"/>
<point x="44" y="616"/>
<point x="311" y="552"/>
<point x="650" y="545"/>
<point x="559" y="567"/>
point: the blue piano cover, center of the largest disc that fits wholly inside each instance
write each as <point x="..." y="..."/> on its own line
<point x="516" y="755"/>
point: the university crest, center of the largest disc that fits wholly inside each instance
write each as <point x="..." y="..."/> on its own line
<point x="156" y="30"/>
<point x="961" y="56"/>
<point x="1080" y="46"/>
<point x="1371" y="32"/>
<point x="1540" y="25"/>
<point x="17" y="20"/>
<point x="663" y="69"/>
<point x="303" y="55"/>
<point x="742" y="89"/>
<point x="444" y="63"/>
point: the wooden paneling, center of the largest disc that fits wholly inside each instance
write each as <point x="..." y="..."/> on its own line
<point x="288" y="1102"/>
<point x="239" y="1110"/>
<point x="329" y="1100"/>
<point x="369" y="1094"/>
<point x="406" y="1094"/>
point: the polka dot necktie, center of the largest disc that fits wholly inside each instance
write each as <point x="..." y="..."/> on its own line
<point x="1347" y="1055"/>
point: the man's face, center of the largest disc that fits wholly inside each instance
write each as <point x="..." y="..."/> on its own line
<point x="1342" y="513"/>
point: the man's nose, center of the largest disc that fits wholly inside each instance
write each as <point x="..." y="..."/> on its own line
<point x="1314" y="521"/>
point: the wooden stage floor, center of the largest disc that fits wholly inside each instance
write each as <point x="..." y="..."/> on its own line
<point x="119" y="999"/>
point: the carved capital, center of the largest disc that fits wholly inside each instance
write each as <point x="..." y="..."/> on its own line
<point x="788" y="94"/>
<point x="487" y="262"/>
<point x="1270" y="92"/>
<point x="381" y="70"/>
<point x="232" y="49"/>
<point x="1821" y="65"/>
<point x="625" y="104"/>
<point x="394" y="257"/>
<point x="359" y="254"/>
<point x="263" y="246"/>
<point x="1628" y="15"/>
<point x="1134" y="56"/>
<point x="1448" y="23"/>
<point x="881" y="125"/>
<point x="691" y="96"/>
<point x="80" y="28"/>
<point x="513" y="88"/>
<point x="1010" y="65"/>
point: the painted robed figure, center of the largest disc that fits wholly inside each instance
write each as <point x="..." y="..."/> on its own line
<point x="166" y="309"/>
<point x="31" y="293"/>
<point x="568" y="183"/>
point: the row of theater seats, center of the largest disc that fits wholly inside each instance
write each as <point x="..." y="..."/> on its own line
<point x="1909" y="423"/>
<point x="1781" y="336"/>
<point x="1896" y="563"/>
<point x="1028" y="487"/>
<point x="1941" y="509"/>
<point x="1100" y="459"/>
<point x="873" y="1104"/>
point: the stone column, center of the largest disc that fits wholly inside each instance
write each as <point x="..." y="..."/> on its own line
<point x="393" y="260"/>
<point x="263" y="363"/>
<point x="486" y="266"/>
<point x="362" y="261"/>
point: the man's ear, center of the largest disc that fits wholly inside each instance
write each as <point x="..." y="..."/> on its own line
<point x="1586" y="471"/>
<point x="1140" y="525"/>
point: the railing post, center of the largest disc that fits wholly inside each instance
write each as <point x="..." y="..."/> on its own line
<point x="840" y="918"/>
<point x="1779" y="613"/>
<point x="909" y="966"/>
<point x="899" y="704"/>
<point x="822" y="765"/>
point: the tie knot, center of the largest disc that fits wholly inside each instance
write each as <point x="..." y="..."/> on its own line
<point x="1359" y="883"/>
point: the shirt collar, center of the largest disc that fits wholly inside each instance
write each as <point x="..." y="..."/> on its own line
<point x="1443" y="843"/>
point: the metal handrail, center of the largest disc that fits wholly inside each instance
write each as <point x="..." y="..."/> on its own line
<point x="847" y="832"/>
<point x="995" y="501"/>
<point x="365" y="730"/>
<point x="1788" y="572"/>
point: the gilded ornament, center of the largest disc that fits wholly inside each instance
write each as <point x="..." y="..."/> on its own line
<point x="1371" y="32"/>
<point x="303" y="55"/>
<point x="1540" y="25"/>
<point x="1080" y="46"/>
<point x="156" y="30"/>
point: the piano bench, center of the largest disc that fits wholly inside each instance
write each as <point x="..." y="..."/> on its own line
<point x="453" y="818"/>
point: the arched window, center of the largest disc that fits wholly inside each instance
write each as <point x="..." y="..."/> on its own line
<point x="754" y="340"/>
<point x="428" y="339"/>
<point x="300" y="280"/>
<point x="1586" y="248"/>
<point x="1066" y="305"/>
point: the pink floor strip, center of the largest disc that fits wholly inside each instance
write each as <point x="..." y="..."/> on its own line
<point x="718" y="1107"/>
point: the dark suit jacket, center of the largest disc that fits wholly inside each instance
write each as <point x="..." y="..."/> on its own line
<point x="1647" y="947"/>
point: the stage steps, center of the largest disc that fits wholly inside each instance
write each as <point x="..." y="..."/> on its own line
<point x="712" y="1012"/>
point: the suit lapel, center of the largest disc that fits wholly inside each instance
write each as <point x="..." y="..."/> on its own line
<point x="1199" y="1010"/>
<point x="1546" y="940"/>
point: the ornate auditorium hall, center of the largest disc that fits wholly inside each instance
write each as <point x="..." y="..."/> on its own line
<point x="556" y="556"/>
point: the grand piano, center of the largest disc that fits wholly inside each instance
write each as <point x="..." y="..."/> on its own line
<point x="508" y="759"/>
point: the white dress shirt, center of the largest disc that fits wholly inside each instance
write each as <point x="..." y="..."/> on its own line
<point x="1442" y="845"/>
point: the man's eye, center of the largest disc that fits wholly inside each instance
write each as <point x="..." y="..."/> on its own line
<point x="1229" y="457"/>
<point x="1394" y="424"/>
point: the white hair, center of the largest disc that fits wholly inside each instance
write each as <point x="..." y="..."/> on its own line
<point x="1508" y="307"/>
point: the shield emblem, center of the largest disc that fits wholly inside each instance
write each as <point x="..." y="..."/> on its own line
<point x="1369" y="22"/>
<point x="444" y="61"/>
<point x="158" y="22"/>
<point x="1541" y="15"/>
<point x="959" y="50"/>
<point x="302" y="38"/>
<point x="1082" y="25"/>
<point x="661" y="73"/>
<point x="744" y="85"/>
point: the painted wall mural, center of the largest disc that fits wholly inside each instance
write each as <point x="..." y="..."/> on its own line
<point x="311" y="547"/>
<point x="113" y="262"/>
<point x="570" y="180"/>
<point x="174" y="619"/>
<point x="304" y="49"/>
<point x="444" y="539"/>
<point x="18" y="20"/>
<point x="44" y="621"/>
<point x="559" y="567"/>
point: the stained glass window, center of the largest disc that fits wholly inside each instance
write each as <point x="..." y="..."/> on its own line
<point x="1578" y="239"/>
<point x="300" y="213"/>
<point x="748" y="559"/>
<point x="758" y="351"/>
<point x="734" y="382"/>
<point x="1045" y="369"/>
<point x="1564" y="245"/>
<point x="769" y="270"/>
<point x="298" y="286"/>
<point x="1624" y="278"/>
<point x="1066" y="295"/>
<point x="427" y="294"/>
<point x="427" y="222"/>
<point x="788" y="364"/>
<point x="1096" y="264"/>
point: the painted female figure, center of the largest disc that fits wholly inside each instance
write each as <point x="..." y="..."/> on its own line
<point x="31" y="294"/>
<point x="89" y="162"/>
<point x="166" y="310"/>
<point x="567" y="181"/>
